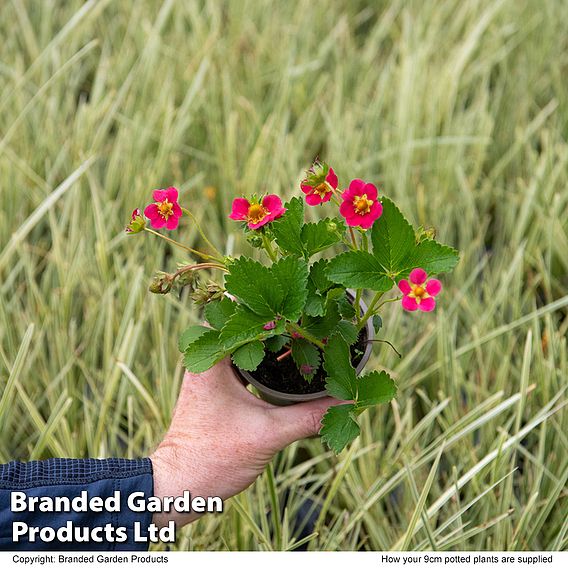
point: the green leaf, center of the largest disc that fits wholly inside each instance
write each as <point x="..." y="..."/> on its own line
<point x="218" y="312"/>
<point x="292" y="274"/>
<point x="433" y="257"/>
<point x="249" y="356"/>
<point x="339" y="427"/>
<point x="348" y="331"/>
<point x="318" y="275"/>
<point x="288" y="229"/>
<point x="204" y="352"/>
<point x="315" y="303"/>
<point x="359" y="269"/>
<point x="305" y="354"/>
<point x="395" y="248"/>
<point x="345" y="306"/>
<point x="255" y="286"/>
<point x="325" y="325"/>
<point x="341" y="379"/>
<point x="393" y="238"/>
<point x="377" y="323"/>
<point x="321" y="235"/>
<point x="244" y="326"/>
<point x="375" y="388"/>
<point x="189" y="336"/>
<point x="276" y="343"/>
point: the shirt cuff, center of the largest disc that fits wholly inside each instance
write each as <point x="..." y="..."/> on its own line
<point x="68" y="478"/>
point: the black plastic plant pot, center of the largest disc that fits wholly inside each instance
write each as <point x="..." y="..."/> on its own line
<point x="273" y="375"/>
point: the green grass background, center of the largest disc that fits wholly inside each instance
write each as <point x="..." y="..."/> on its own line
<point x="458" y="108"/>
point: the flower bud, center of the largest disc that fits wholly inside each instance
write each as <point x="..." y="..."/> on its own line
<point x="206" y="292"/>
<point x="137" y="223"/>
<point x="254" y="239"/>
<point x="317" y="173"/>
<point x="186" y="277"/>
<point x="162" y="283"/>
<point x="306" y="369"/>
<point x="425" y="234"/>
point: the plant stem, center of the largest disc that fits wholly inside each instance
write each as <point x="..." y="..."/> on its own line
<point x="370" y="309"/>
<point x="184" y="247"/>
<point x="284" y="355"/>
<point x="353" y="239"/>
<point x="358" y="304"/>
<point x="388" y="343"/>
<point x="202" y="266"/>
<point x="305" y="334"/>
<point x="268" y="247"/>
<point x="203" y="236"/>
<point x="387" y="301"/>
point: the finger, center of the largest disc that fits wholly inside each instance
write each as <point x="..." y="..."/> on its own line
<point x="299" y="420"/>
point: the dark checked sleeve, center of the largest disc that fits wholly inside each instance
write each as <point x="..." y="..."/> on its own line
<point x="67" y="478"/>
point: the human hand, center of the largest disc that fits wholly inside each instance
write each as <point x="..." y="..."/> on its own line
<point x="221" y="438"/>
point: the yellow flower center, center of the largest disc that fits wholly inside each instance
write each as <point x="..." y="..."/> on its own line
<point x="322" y="189"/>
<point x="166" y="209"/>
<point x="256" y="213"/>
<point x="362" y="204"/>
<point x="418" y="293"/>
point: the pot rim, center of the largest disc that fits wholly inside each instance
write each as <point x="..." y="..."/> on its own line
<point x="272" y="393"/>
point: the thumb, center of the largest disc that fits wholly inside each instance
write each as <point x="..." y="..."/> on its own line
<point x="300" y="420"/>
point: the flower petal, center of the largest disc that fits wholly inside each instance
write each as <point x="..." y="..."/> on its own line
<point x="306" y="188"/>
<point x="404" y="287"/>
<point x="176" y="209"/>
<point x="152" y="212"/>
<point x="356" y="186"/>
<point x="427" y="304"/>
<point x="366" y="221"/>
<point x="262" y="222"/>
<point x="353" y="220"/>
<point x="346" y="209"/>
<point x="273" y="215"/>
<point x="172" y="223"/>
<point x="171" y="194"/>
<point x="272" y="203"/>
<point x="331" y="178"/>
<point x="418" y="276"/>
<point x="433" y="287"/>
<point x="326" y="197"/>
<point x="377" y="209"/>
<point x="409" y="304"/>
<point x="371" y="191"/>
<point x="240" y="209"/>
<point x="159" y="194"/>
<point x="314" y="199"/>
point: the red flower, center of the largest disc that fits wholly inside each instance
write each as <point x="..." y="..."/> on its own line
<point x="360" y="206"/>
<point x="255" y="213"/>
<point x="165" y="212"/>
<point x="319" y="187"/>
<point x="419" y="294"/>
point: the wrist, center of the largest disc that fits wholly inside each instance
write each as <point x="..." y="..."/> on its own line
<point x="172" y="477"/>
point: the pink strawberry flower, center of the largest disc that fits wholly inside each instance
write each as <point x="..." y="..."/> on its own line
<point x="419" y="292"/>
<point x="360" y="206"/>
<point x="269" y="326"/>
<point x="319" y="188"/>
<point x="257" y="213"/>
<point x="165" y="211"/>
